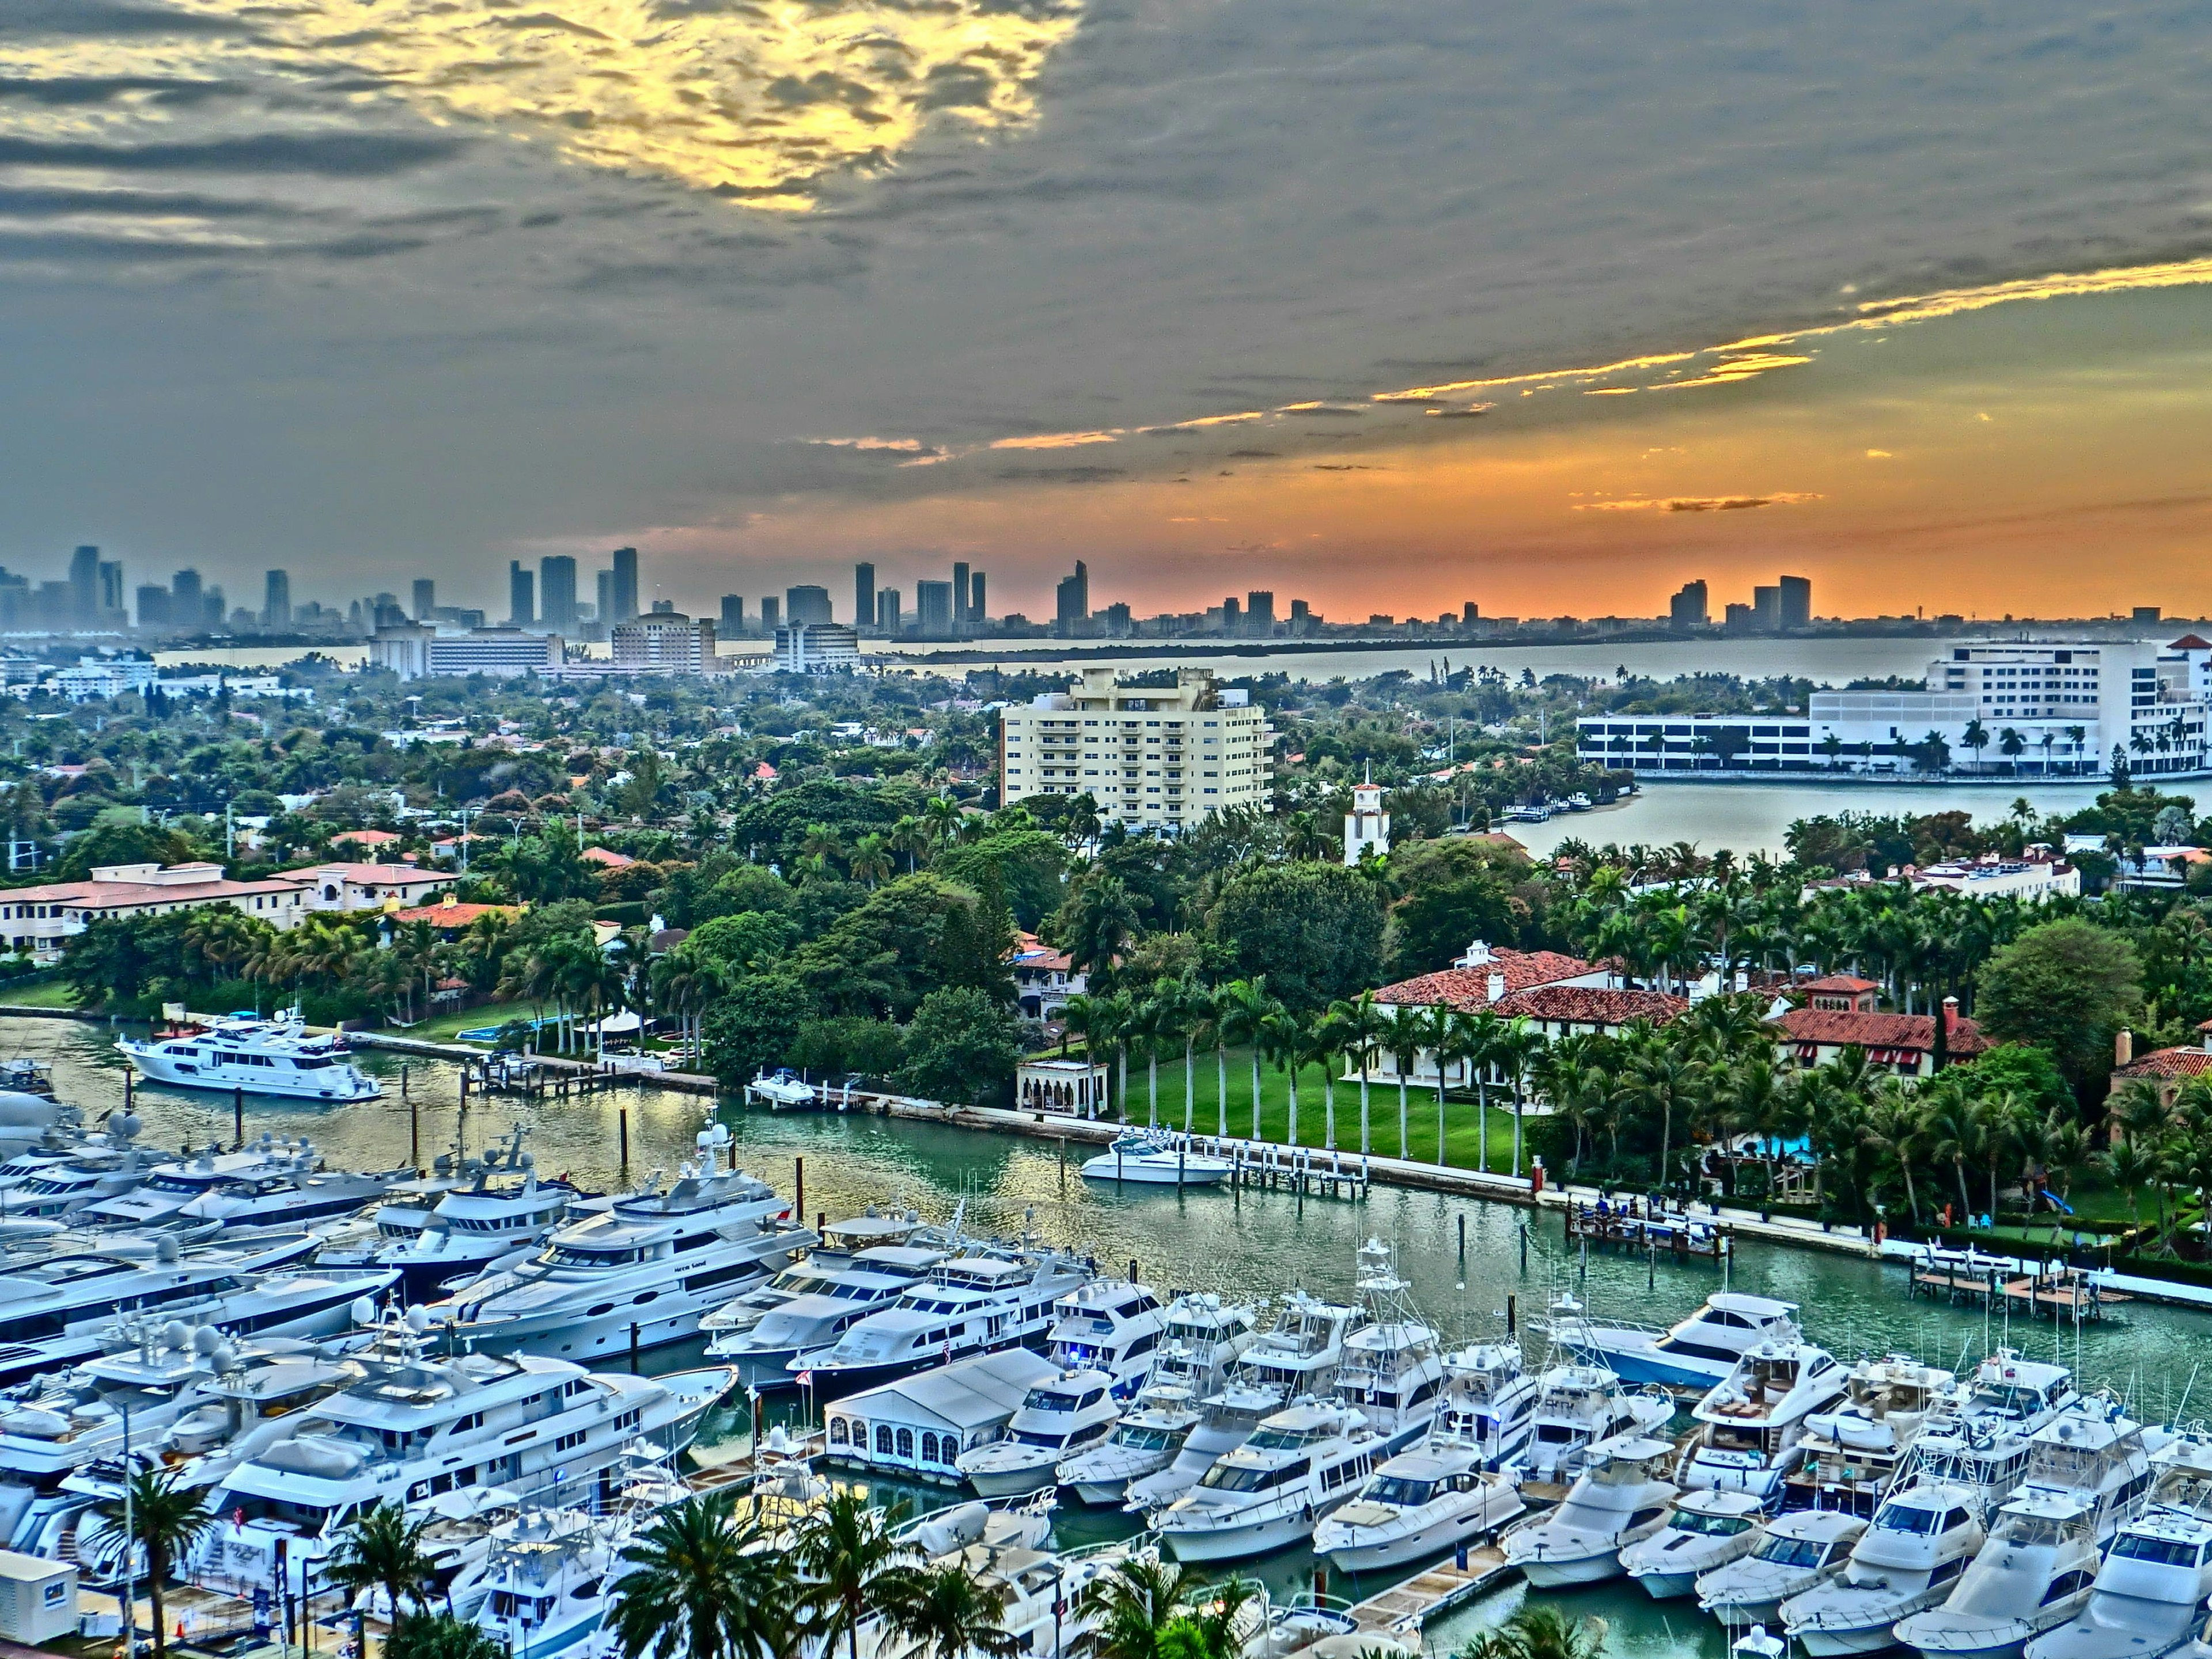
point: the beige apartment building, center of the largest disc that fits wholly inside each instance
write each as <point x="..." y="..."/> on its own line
<point x="1150" y="756"/>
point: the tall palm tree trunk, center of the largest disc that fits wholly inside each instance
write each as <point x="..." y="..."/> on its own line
<point x="1291" y="1071"/>
<point x="1152" y="1088"/>
<point x="1328" y="1105"/>
<point x="1221" y="1088"/>
<point x="1189" y="1084"/>
<point x="1404" y="1144"/>
<point x="1256" y="1091"/>
<point x="1364" y="1147"/>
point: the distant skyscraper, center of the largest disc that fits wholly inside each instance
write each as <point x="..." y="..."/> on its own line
<point x="277" y="600"/>
<point x="1687" y="608"/>
<point x="521" y="595"/>
<point x="185" y="605"/>
<point x="933" y="608"/>
<point x="977" y="616"/>
<point x="806" y="604"/>
<point x="1232" y="616"/>
<point x="624" y="598"/>
<point x="1469" y="614"/>
<point x="1797" y="601"/>
<point x="864" y="593"/>
<point x="887" y="618"/>
<point x="1260" y="613"/>
<point x="84" y="583"/>
<point x="605" y="596"/>
<point x="426" y="598"/>
<point x="1766" y="609"/>
<point x="556" y="592"/>
<point x="212" y="606"/>
<point x="110" y="586"/>
<point x="734" y="616"/>
<point x="771" y="614"/>
<point x="154" y="606"/>
<point x="959" y="595"/>
<point x="1073" y="608"/>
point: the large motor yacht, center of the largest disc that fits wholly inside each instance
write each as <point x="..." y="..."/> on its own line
<point x="468" y="1224"/>
<point x="808" y="1306"/>
<point x="1393" y="1371"/>
<point x="1577" y="1406"/>
<point x="1620" y="1498"/>
<point x="1792" y="1554"/>
<point x="1696" y="1353"/>
<point x="1057" y="1417"/>
<point x="415" y="1427"/>
<point x="1204" y="1339"/>
<point x="1489" y="1405"/>
<point x="67" y="1169"/>
<point x="1438" y="1495"/>
<point x="1298" y="1466"/>
<point x="1298" y="1358"/>
<point x="1706" y="1529"/>
<point x="1750" y="1425"/>
<point x="2149" y="1592"/>
<point x="265" y="1183"/>
<point x="636" y="1271"/>
<point x="1922" y="1539"/>
<point x="272" y="1056"/>
<point x="1853" y="1449"/>
<point x="1110" y="1325"/>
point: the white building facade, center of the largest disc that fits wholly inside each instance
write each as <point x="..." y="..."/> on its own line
<point x="1150" y="756"/>
<point x="2010" y="709"/>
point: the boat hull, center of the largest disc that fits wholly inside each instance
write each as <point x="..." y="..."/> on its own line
<point x="1238" y="1543"/>
<point x="1868" y="1639"/>
<point x="1148" y="1172"/>
<point x="1559" y="1572"/>
<point x="1010" y="1482"/>
<point x="157" y="1067"/>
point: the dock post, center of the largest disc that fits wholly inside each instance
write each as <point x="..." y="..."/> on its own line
<point x="238" y="1115"/>
<point x="1512" y="1314"/>
<point x="633" y="1348"/>
<point x="414" y="1127"/>
<point x="623" y="1117"/>
<point x="1063" y="1160"/>
<point x="403" y="1079"/>
<point x="126" y="1090"/>
<point x="1524" y="1230"/>
<point x="799" y="1199"/>
<point x="1462" y="1241"/>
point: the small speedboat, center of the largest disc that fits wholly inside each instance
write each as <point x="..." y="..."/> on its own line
<point x="782" y="1090"/>
<point x="1707" y="1528"/>
<point x="1144" y="1158"/>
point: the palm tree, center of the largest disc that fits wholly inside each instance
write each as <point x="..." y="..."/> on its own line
<point x="1517" y="1048"/>
<point x="2010" y="744"/>
<point x="1242" y="1018"/>
<point x="1126" y="1609"/>
<point x="850" y="1565"/>
<point x="1363" y="1024"/>
<point x="1660" y="1078"/>
<point x="1474" y="1040"/>
<point x="2132" y="1166"/>
<point x="872" y="860"/>
<point x="942" y="1612"/>
<point x="1540" y="1631"/>
<point x="383" y="1550"/>
<point x="1102" y="922"/>
<point x="166" y="1518"/>
<point x="700" y="1587"/>
<point x="1331" y="1035"/>
<point x="1955" y="1133"/>
<point x="1404" y="1029"/>
<point x="1284" y="1040"/>
<point x="1892" y="1133"/>
<point x="1976" y="737"/>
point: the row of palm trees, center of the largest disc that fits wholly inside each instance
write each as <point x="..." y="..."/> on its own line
<point x="1358" y="1037"/>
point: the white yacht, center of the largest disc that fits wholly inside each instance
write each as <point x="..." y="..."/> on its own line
<point x="637" y="1271"/>
<point x="2149" y="1592"/>
<point x="1296" y="1359"/>
<point x="1577" y="1406"/>
<point x="1620" y="1498"/>
<point x="969" y="1304"/>
<point x="1489" y="1405"/>
<point x="443" y="1231"/>
<point x="413" y="1427"/>
<point x="1750" y="1423"/>
<point x="1696" y="1353"/>
<point x="1057" y="1417"/>
<point x="1149" y="1158"/>
<point x="1438" y="1495"/>
<point x="273" y="1056"/>
<point x="547" y="1582"/>
<point x="267" y="1183"/>
<point x="1204" y="1338"/>
<point x="1110" y="1325"/>
<point x="2088" y="1470"/>
<point x="1392" y="1372"/>
<point x="1853" y="1449"/>
<point x="808" y="1306"/>
<point x="1922" y="1539"/>
<point x="1706" y="1529"/>
<point x="66" y="1168"/>
<point x="1793" y="1553"/>
<point x="1298" y="1465"/>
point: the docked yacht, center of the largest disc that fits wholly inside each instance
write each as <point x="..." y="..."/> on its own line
<point x="547" y="1582"/>
<point x="1298" y="1465"/>
<point x="1793" y="1553"/>
<point x="1057" y="1419"/>
<point x="468" y="1225"/>
<point x="1751" y="1424"/>
<point x="1489" y="1405"/>
<point x="1707" y="1528"/>
<point x="1696" y="1353"/>
<point x="637" y="1271"/>
<point x="842" y="1242"/>
<point x="1577" y="1406"/>
<point x="268" y="1182"/>
<point x="1110" y="1325"/>
<point x="1439" y="1495"/>
<point x="2149" y="1592"/>
<point x="1922" y="1539"/>
<point x="413" y="1427"/>
<point x="273" y="1056"/>
<point x="1149" y="1158"/>
<point x="808" y="1306"/>
<point x="1204" y="1339"/>
<point x="1620" y="1498"/>
<point x="1298" y="1358"/>
<point x="969" y="1304"/>
<point x="1853" y="1449"/>
<point x="1393" y="1371"/>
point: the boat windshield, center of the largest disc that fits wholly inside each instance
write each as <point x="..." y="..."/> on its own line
<point x="1140" y="1437"/>
<point x="1711" y="1526"/>
<point x="1909" y="1517"/>
<point x="2160" y="1552"/>
<point x="1242" y="1476"/>
<point x="1788" y="1551"/>
<point x="1407" y="1494"/>
<point x="1285" y="1438"/>
<point x="571" y="1256"/>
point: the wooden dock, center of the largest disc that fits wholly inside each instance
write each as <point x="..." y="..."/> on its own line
<point x="1635" y="1228"/>
<point x="2053" y="1291"/>
<point x="1404" y="1607"/>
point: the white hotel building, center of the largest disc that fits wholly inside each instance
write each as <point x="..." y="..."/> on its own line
<point x="1150" y="756"/>
<point x="2048" y="708"/>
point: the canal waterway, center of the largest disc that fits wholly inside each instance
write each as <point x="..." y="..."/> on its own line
<point x="1245" y="1246"/>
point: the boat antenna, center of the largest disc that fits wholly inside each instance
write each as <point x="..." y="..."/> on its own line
<point x="2180" y="1410"/>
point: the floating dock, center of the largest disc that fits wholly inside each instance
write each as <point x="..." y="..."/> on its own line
<point x="2053" y="1290"/>
<point x="1637" y="1226"/>
<point x="1404" y="1607"/>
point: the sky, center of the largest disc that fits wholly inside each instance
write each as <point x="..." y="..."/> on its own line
<point x="1391" y="305"/>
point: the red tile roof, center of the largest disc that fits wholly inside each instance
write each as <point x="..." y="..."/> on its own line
<point x="455" y="914"/>
<point x="1590" y="1005"/>
<point x="366" y="837"/>
<point x="1841" y="985"/>
<point x="1468" y="988"/>
<point x="1842" y="1028"/>
<point x="2167" y="1062"/>
<point x="2190" y="642"/>
<point x="606" y="855"/>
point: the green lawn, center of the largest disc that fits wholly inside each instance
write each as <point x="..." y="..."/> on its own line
<point x="444" y="1028"/>
<point x="1461" y="1115"/>
<point x="48" y="993"/>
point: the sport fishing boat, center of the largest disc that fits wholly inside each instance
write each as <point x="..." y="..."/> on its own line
<point x="1696" y="1353"/>
<point x="1853" y="1449"/>
<point x="1620" y="1498"/>
<point x="1578" y="1407"/>
<point x="637" y="1271"/>
<point x="271" y="1056"/>
<point x="2149" y="1592"/>
<point x="1793" y="1553"/>
<point x="1751" y="1424"/>
<point x="1922" y="1539"/>
<point x="1296" y="1359"/>
<point x="1392" y="1373"/>
<point x="1706" y="1529"/>
<point x="1299" y="1465"/>
<point x="1489" y="1405"/>
<point x="1057" y="1417"/>
<point x="808" y="1306"/>
<point x="1147" y="1157"/>
<point x="413" y="1427"/>
<point x="1204" y="1339"/>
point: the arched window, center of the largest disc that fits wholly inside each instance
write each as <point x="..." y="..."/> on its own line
<point x="838" y="1431"/>
<point x="928" y="1447"/>
<point x="883" y="1440"/>
<point x="906" y="1445"/>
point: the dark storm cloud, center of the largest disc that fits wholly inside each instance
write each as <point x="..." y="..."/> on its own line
<point x="108" y="19"/>
<point x="76" y="91"/>
<point x="331" y="154"/>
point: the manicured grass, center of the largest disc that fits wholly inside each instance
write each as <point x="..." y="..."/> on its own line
<point x="47" y="993"/>
<point x="1460" y="1113"/>
<point x="446" y="1027"/>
